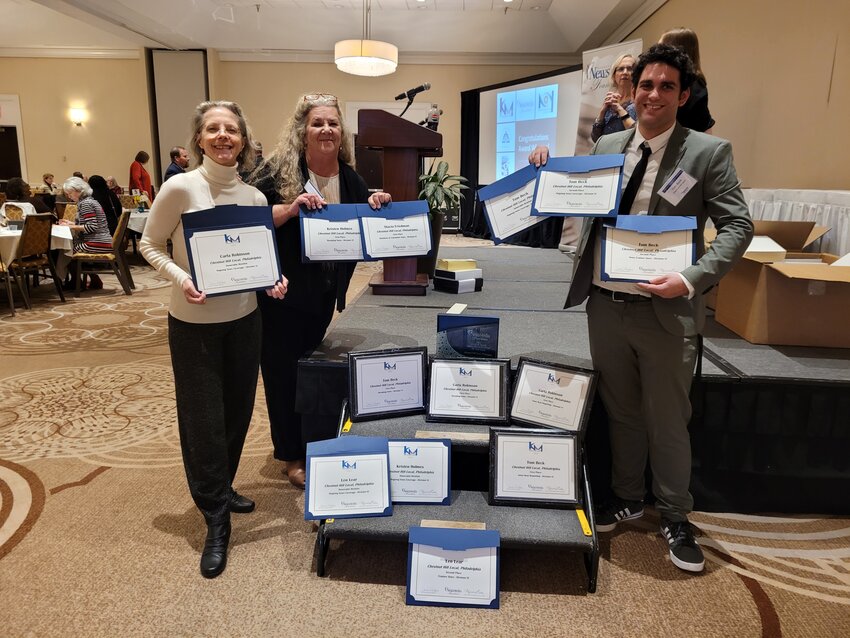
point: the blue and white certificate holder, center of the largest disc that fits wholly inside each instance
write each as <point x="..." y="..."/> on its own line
<point x="231" y="249"/>
<point x="638" y="248"/>
<point x="450" y="567"/>
<point x="347" y="477"/>
<point x="585" y="186"/>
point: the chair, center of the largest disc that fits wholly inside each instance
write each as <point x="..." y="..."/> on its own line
<point x="115" y="258"/>
<point x="33" y="254"/>
<point x="7" y="276"/>
<point x="70" y="212"/>
<point x="14" y="212"/>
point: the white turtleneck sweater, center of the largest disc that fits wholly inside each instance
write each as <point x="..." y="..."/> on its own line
<point x="205" y="187"/>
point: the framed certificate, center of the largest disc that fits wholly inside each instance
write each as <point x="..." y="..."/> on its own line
<point x="387" y="382"/>
<point x="398" y="229"/>
<point x="347" y="477"/>
<point x="642" y="247"/>
<point x="587" y="186"/>
<point x="331" y="233"/>
<point x="552" y="395"/>
<point x="534" y="468"/>
<point x="507" y="204"/>
<point x="468" y="391"/>
<point x="420" y="470"/>
<point x="231" y="249"/>
<point x="453" y="567"/>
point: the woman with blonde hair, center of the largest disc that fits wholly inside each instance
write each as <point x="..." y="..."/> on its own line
<point x="618" y="111"/>
<point x="313" y="147"/>
<point x="694" y="113"/>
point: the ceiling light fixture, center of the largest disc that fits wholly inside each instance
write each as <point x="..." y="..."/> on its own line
<point x="365" y="56"/>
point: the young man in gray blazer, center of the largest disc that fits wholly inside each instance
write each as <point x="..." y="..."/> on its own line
<point x="643" y="337"/>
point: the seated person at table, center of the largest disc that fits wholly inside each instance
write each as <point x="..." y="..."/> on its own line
<point x="108" y="201"/>
<point x="113" y="186"/>
<point x="18" y="194"/>
<point x="49" y="185"/>
<point x="91" y="230"/>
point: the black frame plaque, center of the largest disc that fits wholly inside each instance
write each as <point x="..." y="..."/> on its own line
<point x="356" y="361"/>
<point x="498" y="412"/>
<point x="533" y="442"/>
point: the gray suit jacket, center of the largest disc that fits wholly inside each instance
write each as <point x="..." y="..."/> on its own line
<point x="716" y="195"/>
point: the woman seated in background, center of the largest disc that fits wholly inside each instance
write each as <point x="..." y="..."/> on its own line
<point x="113" y="186"/>
<point x="18" y="194"/>
<point x="91" y="231"/>
<point x="108" y="201"/>
<point x="48" y="184"/>
<point x="618" y="111"/>
<point x="313" y="146"/>
<point x="694" y="113"/>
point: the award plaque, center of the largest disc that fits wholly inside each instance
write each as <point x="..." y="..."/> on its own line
<point x="534" y="468"/>
<point x="468" y="391"/>
<point x="552" y="395"/>
<point x="386" y="382"/>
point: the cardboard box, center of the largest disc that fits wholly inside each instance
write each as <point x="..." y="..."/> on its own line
<point x="786" y="303"/>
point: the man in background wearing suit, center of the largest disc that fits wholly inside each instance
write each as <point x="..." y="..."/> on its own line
<point x="179" y="162"/>
<point x="643" y="337"/>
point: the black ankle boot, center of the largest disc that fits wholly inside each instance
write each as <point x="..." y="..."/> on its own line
<point x="214" y="557"/>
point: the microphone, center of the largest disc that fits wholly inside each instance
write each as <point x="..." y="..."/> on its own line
<point x="409" y="95"/>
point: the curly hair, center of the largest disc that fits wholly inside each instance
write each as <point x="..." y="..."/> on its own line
<point x="245" y="159"/>
<point x="284" y="161"/>
<point x="669" y="55"/>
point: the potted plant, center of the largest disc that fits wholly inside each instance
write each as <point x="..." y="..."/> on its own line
<point x="443" y="192"/>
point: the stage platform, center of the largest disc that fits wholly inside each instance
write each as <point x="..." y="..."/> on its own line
<point x="771" y="425"/>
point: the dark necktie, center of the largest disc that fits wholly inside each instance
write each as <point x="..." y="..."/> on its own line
<point x="583" y="275"/>
<point x="634" y="181"/>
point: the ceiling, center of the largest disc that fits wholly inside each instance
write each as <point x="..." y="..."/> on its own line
<point x="449" y="31"/>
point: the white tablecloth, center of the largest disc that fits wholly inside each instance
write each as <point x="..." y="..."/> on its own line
<point x="9" y="240"/>
<point x="137" y="222"/>
<point x="825" y="208"/>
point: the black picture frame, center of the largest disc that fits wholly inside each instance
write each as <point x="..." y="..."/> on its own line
<point x="531" y="497"/>
<point x="358" y="408"/>
<point x="498" y="412"/>
<point x="523" y="417"/>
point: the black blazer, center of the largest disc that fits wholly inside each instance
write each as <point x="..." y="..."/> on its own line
<point x="312" y="286"/>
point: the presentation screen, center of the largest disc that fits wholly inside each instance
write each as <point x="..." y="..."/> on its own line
<point x="513" y="119"/>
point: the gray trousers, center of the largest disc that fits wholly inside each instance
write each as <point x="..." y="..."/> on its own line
<point x="215" y="380"/>
<point x="645" y="381"/>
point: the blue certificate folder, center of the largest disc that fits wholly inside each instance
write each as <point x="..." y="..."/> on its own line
<point x="583" y="164"/>
<point x="451" y="539"/>
<point x="646" y="225"/>
<point x="411" y="453"/>
<point x="467" y="336"/>
<point x="508" y="184"/>
<point x="393" y="210"/>
<point x="222" y="218"/>
<point x="348" y="448"/>
<point x="330" y="213"/>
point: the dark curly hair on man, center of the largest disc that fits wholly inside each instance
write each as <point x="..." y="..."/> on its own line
<point x="669" y="55"/>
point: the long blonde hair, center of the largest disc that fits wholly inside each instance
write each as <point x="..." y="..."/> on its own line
<point x="284" y="163"/>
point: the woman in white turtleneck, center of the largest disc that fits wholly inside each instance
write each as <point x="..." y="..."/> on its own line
<point x="215" y="342"/>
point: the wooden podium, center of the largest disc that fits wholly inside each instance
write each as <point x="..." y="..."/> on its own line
<point x="402" y="145"/>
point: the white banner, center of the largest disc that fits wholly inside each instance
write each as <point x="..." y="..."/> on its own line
<point x="595" y="83"/>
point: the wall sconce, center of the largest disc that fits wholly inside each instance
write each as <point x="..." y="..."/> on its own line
<point x="78" y="116"/>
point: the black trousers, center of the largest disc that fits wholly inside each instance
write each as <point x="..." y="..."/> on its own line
<point x="288" y="335"/>
<point x="215" y="379"/>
